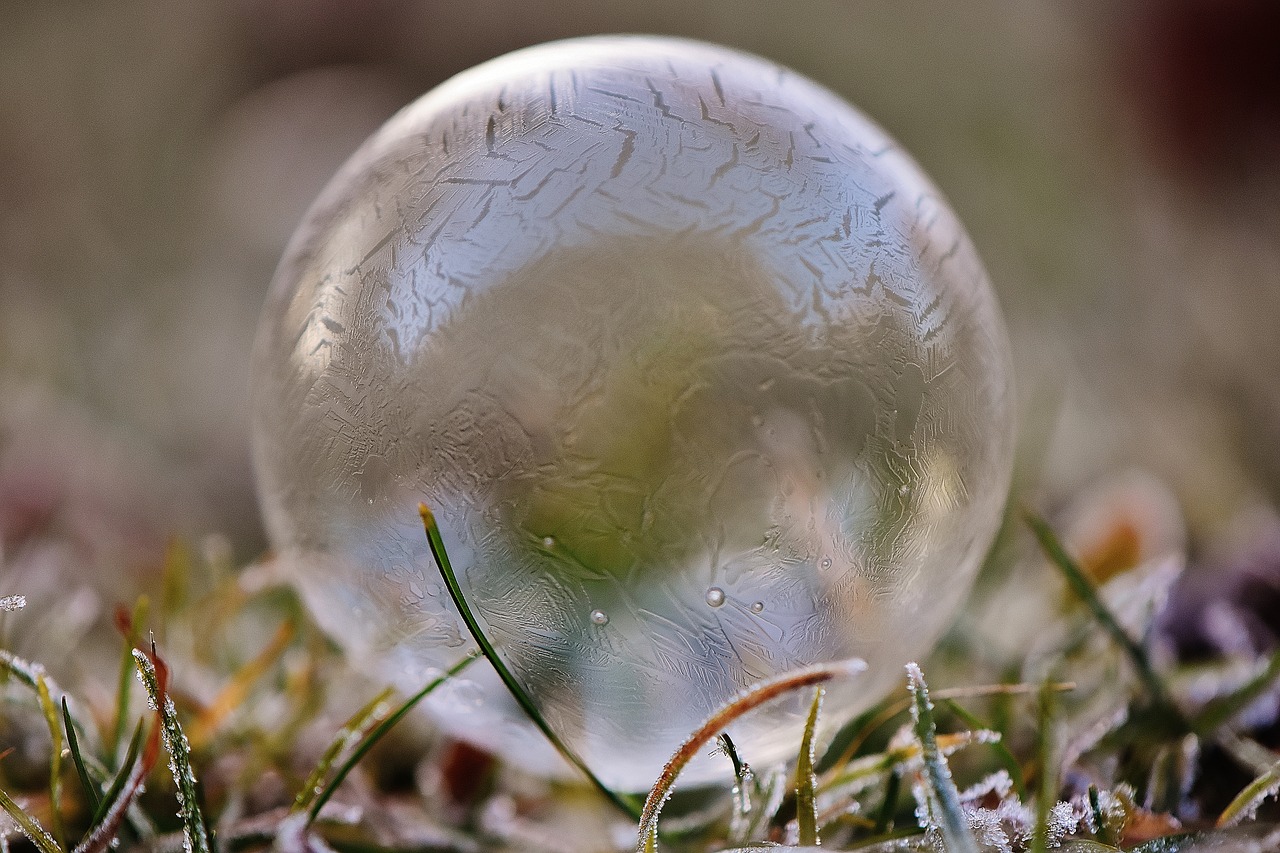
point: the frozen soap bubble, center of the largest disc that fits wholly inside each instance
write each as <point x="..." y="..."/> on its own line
<point x="700" y="375"/>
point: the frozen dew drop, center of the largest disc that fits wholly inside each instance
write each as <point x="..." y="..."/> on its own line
<point x="690" y="314"/>
<point x="599" y="617"/>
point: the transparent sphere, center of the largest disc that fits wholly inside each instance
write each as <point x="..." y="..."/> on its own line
<point x="700" y="375"/>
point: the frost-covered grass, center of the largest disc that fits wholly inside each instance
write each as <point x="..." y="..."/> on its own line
<point x="1108" y="747"/>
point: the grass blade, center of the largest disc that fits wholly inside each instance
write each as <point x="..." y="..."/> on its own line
<point x="1099" y="819"/>
<point x="117" y="784"/>
<point x="124" y="790"/>
<point x="73" y="744"/>
<point x="944" y="798"/>
<point x="1047" y="794"/>
<point x="155" y="678"/>
<point x="55" y="759"/>
<point x="526" y="703"/>
<point x="716" y="723"/>
<point x="1219" y="711"/>
<point x="744" y="780"/>
<point x="1246" y="803"/>
<point x="350" y="733"/>
<point x="125" y="625"/>
<point x="30" y="827"/>
<point x="377" y="733"/>
<point x="1084" y="588"/>
<point x="806" y="800"/>
<point x="891" y="788"/>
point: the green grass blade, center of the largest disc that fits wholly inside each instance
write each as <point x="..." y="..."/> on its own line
<point x="117" y="784"/>
<point x="350" y="733"/>
<point x="1246" y="803"/>
<point x="377" y="733"/>
<point x="1219" y="711"/>
<point x="806" y="799"/>
<point x="30" y="827"/>
<point x="892" y="786"/>
<point x="526" y="703"/>
<point x="1083" y="587"/>
<point x="55" y="759"/>
<point x="124" y="790"/>
<point x="942" y="788"/>
<point x="155" y="679"/>
<point x="1047" y="794"/>
<point x="73" y="744"/>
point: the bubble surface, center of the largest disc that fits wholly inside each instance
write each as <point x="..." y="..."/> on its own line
<point x="638" y="318"/>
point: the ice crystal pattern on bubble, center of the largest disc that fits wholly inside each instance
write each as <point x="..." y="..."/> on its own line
<point x="651" y="326"/>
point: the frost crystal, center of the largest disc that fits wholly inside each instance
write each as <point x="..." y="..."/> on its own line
<point x="11" y="603"/>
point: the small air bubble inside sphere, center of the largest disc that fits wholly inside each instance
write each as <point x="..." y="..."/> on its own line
<point x="650" y="325"/>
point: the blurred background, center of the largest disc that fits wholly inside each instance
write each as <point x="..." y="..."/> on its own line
<point x="1117" y="165"/>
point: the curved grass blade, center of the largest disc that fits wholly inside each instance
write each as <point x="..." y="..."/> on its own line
<point x="378" y="731"/>
<point x="1246" y="803"/>
<point x="1083" y="587"/>
<point x="32" y="676"/>
<point x="806" y="800"/>
<point x="155" y="678"/>
<point x="73" y="744"/>
<point x="943" y="795"/>
<point x="716" y="723"/>
<point x="626" y="804"/>
<point x="350" y="733"/>
<point x="30" y="827"/>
